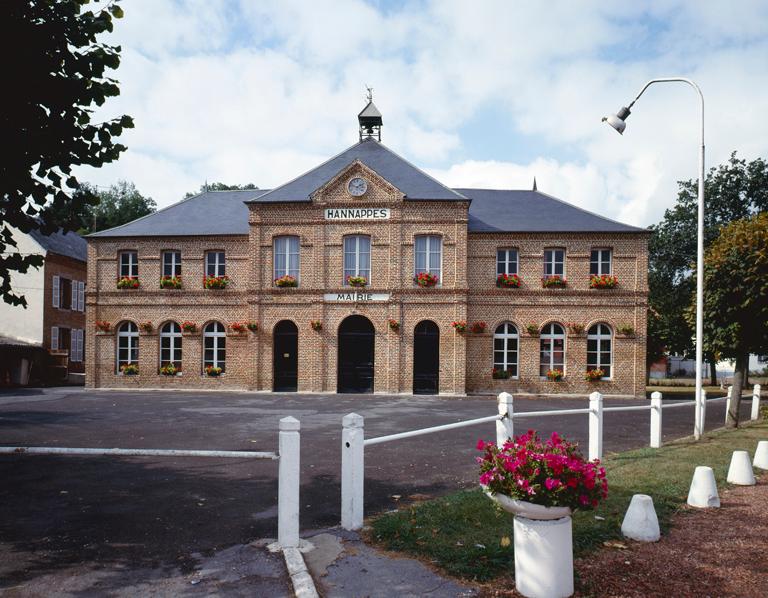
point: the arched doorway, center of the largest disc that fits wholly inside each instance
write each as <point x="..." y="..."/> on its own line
<point x="426" y="358"/>
<point x="355" y="363"/>
<point x="285" y="356"/>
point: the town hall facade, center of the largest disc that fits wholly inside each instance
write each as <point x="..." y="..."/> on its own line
<point x="365" y="274"/>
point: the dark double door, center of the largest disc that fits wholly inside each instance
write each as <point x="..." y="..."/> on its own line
<point x="426" y="358"/>
<point x="356" y="351"/>
<point x="286" y="356"/>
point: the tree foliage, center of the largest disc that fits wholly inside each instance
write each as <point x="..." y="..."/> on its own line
<point x="736" y="298"/>
<point x="53" y="80"/>
<point x="219" y="187"/>
<point x="733" y="190"/>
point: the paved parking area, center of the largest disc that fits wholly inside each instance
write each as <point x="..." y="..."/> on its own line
<point x="123" y="515"/>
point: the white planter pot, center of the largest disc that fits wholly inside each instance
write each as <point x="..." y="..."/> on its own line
<point x="527" y="509"/>
<point x="544" y="557"/>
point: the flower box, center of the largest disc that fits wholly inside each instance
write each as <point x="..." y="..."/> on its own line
<point x="128" y="282"/>
<point x="237" y="327"/>
<point x="316" y="325"/>
<point x="146" y="327"/>
<point x="425" y="279"/>
<point x="554" y="375"/>
<point x="129" y="369"/>
<point x="497" y="374"/>
<point x="215" y="282"/>
<point x="252" y="326"/>
<point x="553" y="282"/>
<point x="286" y="282"/>
<point x="170" y="282"/>
<point x="213" y="372"/>
<point x="532" y="329"/>
<point x="103" y="326"/>
<point x="603" y="281"/>
<point x="508" y="281"/>
<point x="459" y="326"/>
<point x="575" y="328"/>
<point x="394" y="325"/>
<point x="170" y="370"/>
<point x="188" y="327"/>
<point x="478" y="327"/>
<point x="625" y="330"/>
<point x="594" y="375"/>
<point x="357" y="281"/>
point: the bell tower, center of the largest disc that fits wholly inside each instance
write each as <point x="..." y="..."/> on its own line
<point x="370" y="119"/>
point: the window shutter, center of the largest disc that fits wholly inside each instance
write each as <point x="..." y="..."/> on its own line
<point x="81" y="296"/>
<point x="54" y="338"/>
<point x="73" y="345"/>
<point x="55" y="293"/>
<point x="79" y="351"/>
<point x="75" y="287"/>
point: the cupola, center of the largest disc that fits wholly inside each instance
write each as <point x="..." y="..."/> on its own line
<point x="370" y="119"/>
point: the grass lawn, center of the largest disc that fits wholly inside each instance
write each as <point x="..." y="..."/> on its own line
<point x="464" y="535"/>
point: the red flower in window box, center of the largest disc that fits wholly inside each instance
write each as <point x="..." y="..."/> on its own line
<point x="459" y="326"/>
<point x="103" y="326"/>
<point x="188" y="326"/>
<point x="594" y="375"/>
<point x="146" y="327"/>
<point x="498" y="374"/>
<point x="508" y="281"/>
<point x="286" y="281"/>
<point x="252" y="326"/>
<point x="215" y="282"/>
<point x="237" y="327"/>
<point x="478" y="327"/>
<point x="394" y="325"/>
<point x="170" y="282"/>
<point x="316" y="325"/>
<point x="425" y="279"/>
<point x="129" y="369"/>
<point x="357" y="281"/>
<point x="128" y="282"/>
<point x="212" y="372"/>
<point x="553" y="282"/>
<point x="603" y="281"/>
<point x="555" y="375"/>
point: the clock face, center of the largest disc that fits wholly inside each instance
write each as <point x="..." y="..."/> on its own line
<point x="357" y="186"/>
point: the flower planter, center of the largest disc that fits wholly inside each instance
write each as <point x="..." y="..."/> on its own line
<point x="543" y="557"/>
<point x="553" y="282"/>
<point x="357" y="281"/>
<point x="286" y="282"/>
<point x="508" y="281"/>
<point x="170" y="282"/>
<point x="128" y="283"/>
<point x="603" y="281"/>
<point x="426" y="280"/>
<point x="215" y="283"/>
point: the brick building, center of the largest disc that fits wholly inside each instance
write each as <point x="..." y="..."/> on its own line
<point x="285" y="256"/>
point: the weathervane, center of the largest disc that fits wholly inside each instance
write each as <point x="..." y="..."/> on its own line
<point x="369" y="95"/>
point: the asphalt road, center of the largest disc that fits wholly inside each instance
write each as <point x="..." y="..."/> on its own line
<point x="164" y="513"/>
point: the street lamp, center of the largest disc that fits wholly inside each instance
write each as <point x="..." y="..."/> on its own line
<point x="619" y="122"/>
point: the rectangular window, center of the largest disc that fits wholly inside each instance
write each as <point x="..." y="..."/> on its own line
<point x="55" y="291"/>
<point x="357" y="257"/>
<point x="171" y="263"/>
<point x="506" y="261"/>
<point x="54" y="338"/>
<point x="286" y="260"/>
<point x="129" y="264"/>
<point x="65" y="300"/>
<point x="215" y="263"/>
<point x="600" y="262"/>
<point x="554" y="262"/>
<point x="81" y="296"/>
<point x="428" y="253"/>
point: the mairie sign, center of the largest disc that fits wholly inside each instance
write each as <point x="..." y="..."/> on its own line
<point x="356" y="296"/>
<point x="357" y="213"/>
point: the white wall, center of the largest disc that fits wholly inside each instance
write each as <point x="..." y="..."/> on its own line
<point x="17" y="322"/>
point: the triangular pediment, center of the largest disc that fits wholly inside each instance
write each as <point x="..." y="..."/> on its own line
<point x="377" y="188"/>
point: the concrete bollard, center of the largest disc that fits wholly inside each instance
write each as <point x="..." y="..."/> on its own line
<point x="595" y="426"/>
<point x="740" y="471"/>
<point x="352" y="471"/>
<point x="640" y="521"/>
<point x="288" y="483"/>
<point x="505" y="429"/>
<point x="703" y="492"/>
<point x="703" y="414"/>
<point x="656" y="409"/>
<point x="755" y="414"/>
<point x="728" y="402"/>
<point x="543" y="557"/>
<point x="761" y="455"/>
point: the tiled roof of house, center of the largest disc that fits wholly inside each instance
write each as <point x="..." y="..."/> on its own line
<point x="68" y="244"/>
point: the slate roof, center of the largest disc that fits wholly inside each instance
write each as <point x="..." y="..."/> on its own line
<point x="207" y="213"/>
<point x="494" y="210"/>
<point x="68" y="244"/>
<point x="413" y="182"/>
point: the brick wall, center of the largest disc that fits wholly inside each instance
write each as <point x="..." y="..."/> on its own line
<point x="64" y="267"/>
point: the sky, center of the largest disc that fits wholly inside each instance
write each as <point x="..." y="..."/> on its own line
<point x="477" y="93"/>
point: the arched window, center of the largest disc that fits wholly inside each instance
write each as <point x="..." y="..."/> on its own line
<point x="286" y="257"/>
<point x="170" y="345"/>
<point x="357" y="257"/>
<point x="127" y="344"/>
<point x="214" y="346"/>
<point x="505" y="341"/>
<point x="552" y="349"/>
<point x="599" y="349"/>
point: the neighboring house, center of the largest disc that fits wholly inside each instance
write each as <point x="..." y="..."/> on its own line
<point x="262" y="290"/>
<point x="54" y="319"/>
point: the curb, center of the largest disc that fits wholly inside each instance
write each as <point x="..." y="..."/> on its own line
<point x="303" y="585"/>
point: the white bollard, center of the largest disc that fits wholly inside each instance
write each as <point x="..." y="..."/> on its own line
<point x="703" y="492"/>
<point x="656" y="420"/>
<point x="640" y="521"/>
<point x="761" y="455"/>
<point x="755" y="402"/>
<point x="543" y="557"/>
<point x="740" y="471"/>
<point x="703" y="413"/>
<point x="595" y="426"/>
<point x="352" y="471"/>
<point x="728" y="403"/>
<point x="288" y="483"/>
<point x="505" y="427"/>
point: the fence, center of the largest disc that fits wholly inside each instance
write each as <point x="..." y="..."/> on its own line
<point x="353" y="441"/>
<point x="288" y="476"/>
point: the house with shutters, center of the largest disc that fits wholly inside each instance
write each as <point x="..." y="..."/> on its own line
<point x="365" y="274"/>
<point x="54" y="320"/>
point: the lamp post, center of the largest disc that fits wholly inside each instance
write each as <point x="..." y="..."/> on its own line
<point x="618" y="122"/>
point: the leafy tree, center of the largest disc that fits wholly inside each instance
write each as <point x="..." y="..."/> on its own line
<point x="219" y="187"/>
<point x="736" y="301"/>
<point x="118" y="204"/>
<point x="53" y="79"/>
<point x="733" y="190"/>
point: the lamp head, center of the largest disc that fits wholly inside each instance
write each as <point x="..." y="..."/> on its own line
<point x="619" y="120"/>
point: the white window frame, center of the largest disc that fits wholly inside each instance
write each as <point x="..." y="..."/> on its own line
<point x="506" y="336"/>
<point x="81" y="296"/>
<point x="551" y="262"/>
<point x="429" y="252"/>
<point x="503" y="265"/>
<point x="549" y="338"/>
<point x="281" y="254"/>
<point x="129" y="264"/>
<point x="54" y="338"/>
<point x="355" y="254"/>
<point x="129" y="332"/>
<point x="601" y="266"/>
<point x="219" y="345"/>
<point x="56" y="291"/>
<point x="219" y="263"/>
<point x="175" y="344"/>
<point x="601" y="338"/>
<point x="174" y="262"/>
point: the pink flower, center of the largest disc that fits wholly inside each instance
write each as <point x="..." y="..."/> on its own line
<point x="552" y="483"/>
<point x="480" y="445"/>
<point x="584" y="500"/>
